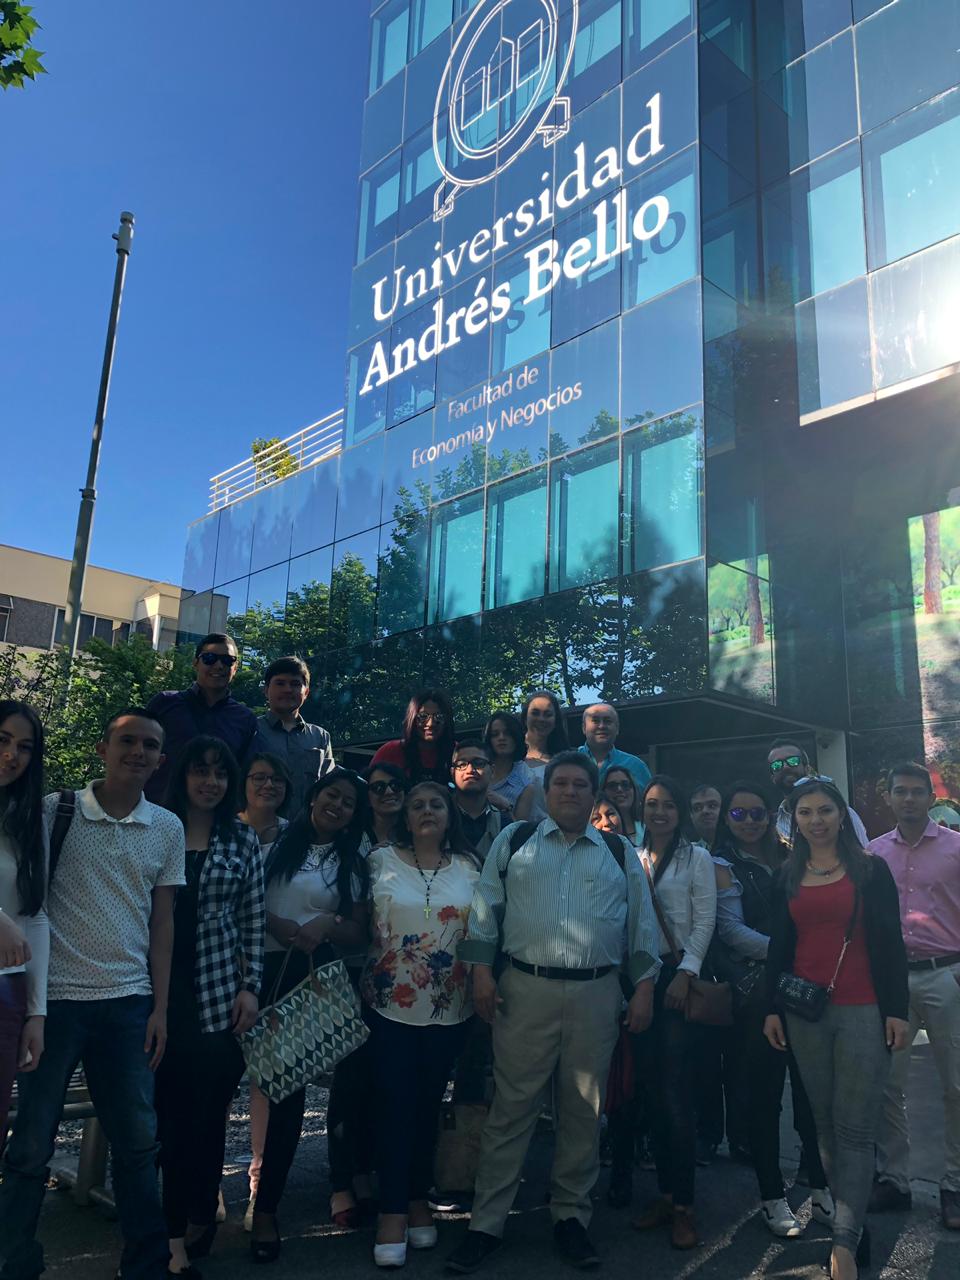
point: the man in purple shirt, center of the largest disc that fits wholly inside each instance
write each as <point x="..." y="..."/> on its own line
<point x="925" y="861"/>
<point x="207" y="707"/>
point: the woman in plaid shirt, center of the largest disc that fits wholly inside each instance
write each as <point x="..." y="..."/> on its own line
<point x="215" y="977"/>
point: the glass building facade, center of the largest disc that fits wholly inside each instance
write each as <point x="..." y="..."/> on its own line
<point x="651" y="386"/>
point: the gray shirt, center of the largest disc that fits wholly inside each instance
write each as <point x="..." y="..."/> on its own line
<point x="305" y="750"/>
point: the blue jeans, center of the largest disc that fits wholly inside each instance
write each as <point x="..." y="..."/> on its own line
<point x="108" y="1036"/>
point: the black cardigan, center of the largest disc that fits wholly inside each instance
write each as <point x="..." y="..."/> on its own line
<point x="880" y="907"/>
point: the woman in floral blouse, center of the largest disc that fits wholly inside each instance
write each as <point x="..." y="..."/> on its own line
<point x="417" y="1003"/>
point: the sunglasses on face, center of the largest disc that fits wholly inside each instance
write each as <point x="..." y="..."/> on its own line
<point x="793" y="761"/>
<point x="211" y="659"/>
<point x="757" y="813"/>
<point x="621" y="785"/>
<point x="425" y="717"/>
<point x="381" y="788"/>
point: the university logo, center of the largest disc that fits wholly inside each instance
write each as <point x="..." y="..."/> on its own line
<point x="501" y="89"/>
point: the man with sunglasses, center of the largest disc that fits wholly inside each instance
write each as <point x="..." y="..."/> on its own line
<point x="470" y="771"/>
<point x="207" y="707"/>
<point x="789" y="764"/>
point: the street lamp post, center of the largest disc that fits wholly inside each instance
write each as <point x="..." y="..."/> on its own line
<point x="88" y="494"/>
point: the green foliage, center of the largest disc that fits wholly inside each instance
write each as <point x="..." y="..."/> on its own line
<point x="19" y="60"/>
<point x="74" y="700"/>
<point x="279" y="464"/>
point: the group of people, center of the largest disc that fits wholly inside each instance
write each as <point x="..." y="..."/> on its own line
<point x="503" y="904"/>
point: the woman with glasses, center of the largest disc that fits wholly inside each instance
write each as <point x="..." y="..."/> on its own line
<point x="835" y="923"/>
<point x="425" y="750"/>
<point x="386" y="787"/>
<point x="265" y="791"/>
<point x="316" y="886"/>
<point x="544" y="727"/>
<point x="215" y="973"/>
<point x="417" y="1005"/>
<point x="748" y="858"/>
<point x="512" y="783"/>
<point x="620" y="788"/>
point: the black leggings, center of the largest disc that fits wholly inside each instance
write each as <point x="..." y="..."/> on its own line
<point x="350" y="1133"/>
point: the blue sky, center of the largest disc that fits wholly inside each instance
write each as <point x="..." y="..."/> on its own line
<point x="234" y="138"/>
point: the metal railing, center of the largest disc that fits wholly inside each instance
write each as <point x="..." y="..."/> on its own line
<point x="311" y="444"/>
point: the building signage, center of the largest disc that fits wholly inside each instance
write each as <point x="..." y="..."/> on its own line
<point x="501" y="91"/>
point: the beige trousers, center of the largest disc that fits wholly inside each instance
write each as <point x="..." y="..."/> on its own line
<point x="542" y="1027"/>
<point x="935" y="1006"/>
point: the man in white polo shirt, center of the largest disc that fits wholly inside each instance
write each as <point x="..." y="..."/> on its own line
<point x="116" y="860"/>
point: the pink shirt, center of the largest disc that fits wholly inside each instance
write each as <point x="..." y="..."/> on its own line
<point x="928" y="881"/>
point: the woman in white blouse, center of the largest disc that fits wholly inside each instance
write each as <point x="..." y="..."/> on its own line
<point x="24" y="931"/>
<point x="684" y="885"/>
<point x="418" y="1004"/>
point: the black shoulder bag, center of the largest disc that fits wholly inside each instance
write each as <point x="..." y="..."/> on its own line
<point x="808" y="1000"/>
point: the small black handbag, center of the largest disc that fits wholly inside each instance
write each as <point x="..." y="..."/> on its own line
<point x="808" y="1000"/>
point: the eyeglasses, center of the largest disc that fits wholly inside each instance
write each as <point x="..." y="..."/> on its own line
<point x="381" y="788"/>
<point x="265" y="780"/>
<point x="793" y="761"/>
<point x="211" y="659"/>
<point x="461" y="765"/>
<point x="757" y="813"/>
<point x="425" y="717"/>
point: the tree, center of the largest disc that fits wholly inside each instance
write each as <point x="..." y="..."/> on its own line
<point x="271" y="460"/>
<point x="19" y="60"/>
<point x="932" y="564"/>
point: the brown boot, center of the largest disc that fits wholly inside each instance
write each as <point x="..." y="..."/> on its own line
<point x="684" y="1233"/>
<point x="658" y="1214"/>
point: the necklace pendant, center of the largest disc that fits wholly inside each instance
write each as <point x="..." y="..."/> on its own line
<point x="426" y="911"/>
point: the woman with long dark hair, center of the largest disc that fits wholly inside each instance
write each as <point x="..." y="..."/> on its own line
<point x="417" y="1004"/>
<point x="24" y="930"/>
<point x="620" y="787"/>
<point x="424" y="751"/>
<point x="836" y="924"/>
<point x="215" y="976"/>
<point x="387" y="785"/>
<point x="513" y="786"/>
<point x="684" y="887"/>
<point x="544" y="727"/>
<point x="748" y="857"/>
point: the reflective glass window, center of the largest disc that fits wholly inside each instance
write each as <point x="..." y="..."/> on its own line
<point x="584" y="516"/>
<point x="662" y="488"/>
<point x="379" y="202"/>
<point x="516" y="539"/>
<point x="593" y="131"/>
<point x="809" y="108"/>
<point x="813" y="227"/>
<point x="916" y="314"/>
<point x="428" y="18"/>
<point x="410" y="290"/>
<point x="420" y="178"/>
<point x="650" y="26"/>
<point x="234" y="543"/>
<point x="662" y="621"/>
<point x="312" y="495"/>
<point x="512" y="654"/>
<point x="388" y="42"/>
<point x="272" y="523"/>
<point x="913" y="180"/>
<point x="906" y="53"/>
<point x="532" y="171"/>
<point x="788" y="30"/>
<point x="452" y="660"/>
<point x="465" y="358"/>
<point x="587" y="270"/>
<point x="228" y="609"/>
<point x="460" y="455"/>
<point x="368" y="370"/>
<point x="672" y="77"/>
<point x="266" y="607"/>
<point x="833" y="348"/>
<point x="406" y="467"/>
<point x="662" y="364"/>
<point x="584" y="399"/>
<point x="670" y="256"/>
<point x="730" y="251"/>
<point x="413" y="390"/>
<point x="727" y="25"/>
<point x="194" y="621"/>
<point x="361" y="482"/>
<point x="402" y="590"/>
<point x="353" y="589"/>
<point x="382" y="123"/>
<point x="377" y="270"/>
<point x="199" y="562"/>
<point x="473" y="208"/>
<point x="456" y="558"/>
<point x="864" y="8"/>
<point x="525" y="330"/>
<point x="597" y="64"/>
<point x="308" y="601"/>
<point x="740" y="640"/>
<point x="516" y="413"/>
<point x="424" y="74"/>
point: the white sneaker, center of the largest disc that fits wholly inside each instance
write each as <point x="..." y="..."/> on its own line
<point x="822" y="1207"/>
<point x="248" y="1216"/>
<point x="422" y="1237"/>
<point x="780" y="1218"/>
<point x="390" y="1255"/>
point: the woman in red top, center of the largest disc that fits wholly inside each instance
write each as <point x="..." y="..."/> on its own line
<point x="829" y="881"/>
<point x="425" y="750"/>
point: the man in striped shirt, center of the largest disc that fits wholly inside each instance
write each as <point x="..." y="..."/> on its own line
<point x="559" y="908"/>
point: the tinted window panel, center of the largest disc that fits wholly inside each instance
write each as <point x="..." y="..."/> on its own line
<point x="388" y="42"/>
<point x="915" y="314"/>
<point x="353" y="593"/>
<point x="234" y="543"/>
<point x="650" y="26"/>
<point x="906" y="53"/>
<point x="671" y="256"/>
<point x="382" y="123"/>
<point x="788" y="30"/>
<point x="584" y="389"/>
<point x="456" y="559"/>
<point x="662" y="487"/>
<point x="814" y="108"/>
<point x="516" y="539"/>
<point x="674" y="77"/>
<point x="428" y="18"/>
<point x="518" y="418"/>
<point x="403" y="574"/>
<point x="199" y="562"/>
<point x="584" y="517"/>
<point x="593" y="296"/>
<point x="361" y="481"/>
<point x="413" y="391"/>
<point x="406" y="468"/>
<point x="525" y="331"/>
<point x="367" y="410"/>
<point x="308" y="601"/>
<point x="833" y="348"/>
<point x="379" y="202"/>
<point x="662" y="365"/>
<point x="313" y="500"/>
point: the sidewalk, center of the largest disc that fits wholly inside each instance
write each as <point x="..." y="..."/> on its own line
<point x="83" y="1245"/>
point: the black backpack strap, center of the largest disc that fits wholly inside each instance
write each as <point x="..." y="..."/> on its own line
<point x="519" y="837"/>
<point x="66" y="807"/>
<point x="615" y="845"/>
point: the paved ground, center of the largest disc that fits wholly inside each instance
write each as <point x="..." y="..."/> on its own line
<point x="82" y="1242"/>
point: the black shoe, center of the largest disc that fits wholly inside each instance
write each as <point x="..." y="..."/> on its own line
<point x="472" y="1252"/>
<point x="571" y="1239"/>
<point x="886" y="1198"/>
<point x="265" y="1250"/>
<point x="201" y="1247"/>
<point x="620" y="1190"/>
<point x="706" y="1152"/>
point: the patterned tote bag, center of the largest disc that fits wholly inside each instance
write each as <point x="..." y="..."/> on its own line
<point x="306" y="1033"/>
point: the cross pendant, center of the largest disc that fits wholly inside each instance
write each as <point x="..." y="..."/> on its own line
<point x="426" y="910"/>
